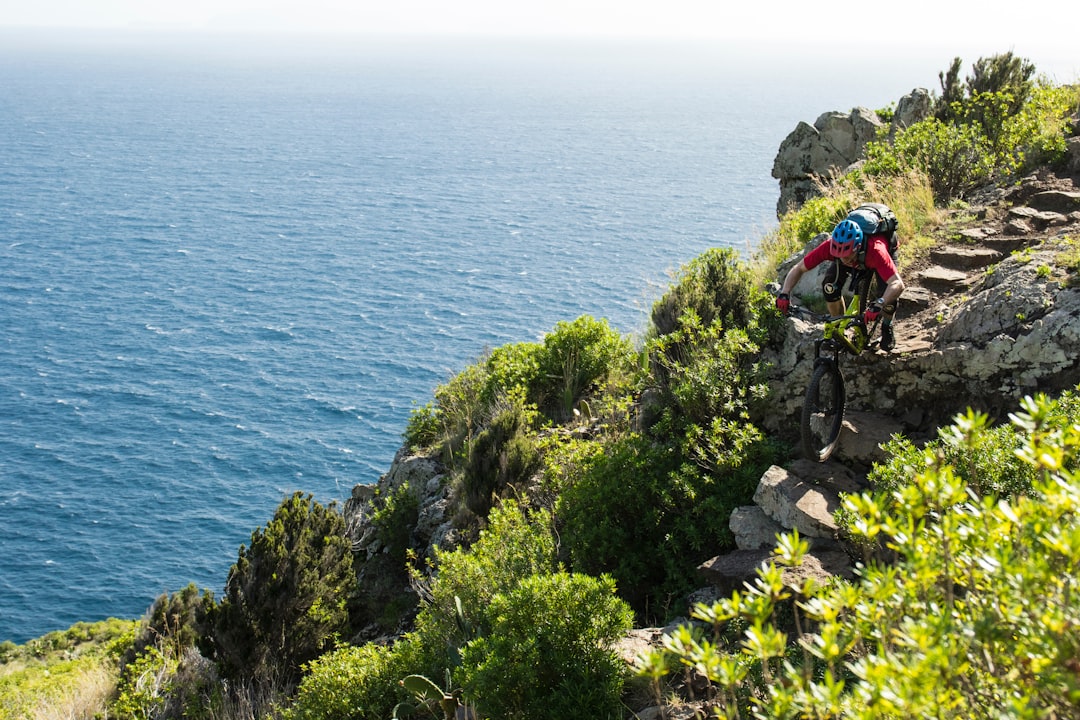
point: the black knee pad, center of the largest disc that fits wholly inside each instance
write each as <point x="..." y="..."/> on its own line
<point x="831" y="291"/>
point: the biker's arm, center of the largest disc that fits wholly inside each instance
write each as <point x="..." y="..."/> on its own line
<point x="893" y="288"/>
<point x="792" y="278"/>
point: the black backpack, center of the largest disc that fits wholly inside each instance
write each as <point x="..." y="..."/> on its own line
<point x="876" y="219"/>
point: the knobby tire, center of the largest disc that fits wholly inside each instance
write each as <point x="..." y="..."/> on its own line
<point x="823" y="412"/>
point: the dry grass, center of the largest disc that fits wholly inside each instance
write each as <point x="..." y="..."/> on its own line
<point x="85" y="697"/>
<point x="909" y="196"/>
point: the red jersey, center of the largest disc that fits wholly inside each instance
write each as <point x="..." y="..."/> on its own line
<point x="877" y="257"/>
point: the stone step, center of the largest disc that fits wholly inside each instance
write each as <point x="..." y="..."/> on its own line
<point x="805" y="495"/>
<point x="1057" y="201"/>
<point x="943" y="280"/>
<point x="965" y="258"/>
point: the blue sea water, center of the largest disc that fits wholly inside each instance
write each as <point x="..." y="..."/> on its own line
<point x="230" y="268"/>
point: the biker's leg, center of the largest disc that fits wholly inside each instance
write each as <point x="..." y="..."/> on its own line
<point x="832" y="288"/>
<point x="888" y="335"/>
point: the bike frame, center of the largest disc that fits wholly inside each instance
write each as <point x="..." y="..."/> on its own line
<point x="846" y="333"/>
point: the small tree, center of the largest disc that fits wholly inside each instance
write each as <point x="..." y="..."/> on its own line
<point x="285" y="598"/>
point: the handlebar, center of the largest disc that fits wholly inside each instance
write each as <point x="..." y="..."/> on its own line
<point x="820" y="317"/>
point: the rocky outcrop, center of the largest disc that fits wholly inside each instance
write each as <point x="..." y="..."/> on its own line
<point x="835" y="142"/>
<point x="425" y="478"/>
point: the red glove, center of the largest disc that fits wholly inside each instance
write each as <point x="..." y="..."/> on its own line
<point x="873" y="312"/>
<point x="783" y="303"/>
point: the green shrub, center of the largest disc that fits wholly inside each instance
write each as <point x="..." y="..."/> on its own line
<point x="458" y="411"/>
<point x="990" y="465"/>
<point x="973" y="620"/>
<point x="956" y="158"/>
<point x="1002" y="74"/>
<point x="548" y="654"/>
<point x="998" y="123"/>
<point x="285" y="598"/>
<point x="710" y="371"/>
<point x="515" y="545"/>
<point x="577" y="357"/>
<point x="513" y="369"/>
<point x="394" y="517"/>
<point x="503" y="454"/>
<point x="715" y="285"/>
<point x="66" y="673"/>
<point x="360" y="683"/>
<point x="647" y="515"/>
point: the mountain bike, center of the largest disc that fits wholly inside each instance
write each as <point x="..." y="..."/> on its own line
<point x="826" y="395"/>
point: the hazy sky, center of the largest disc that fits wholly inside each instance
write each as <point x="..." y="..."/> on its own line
<point x="778" y="19"/>
<point x="1033" y="30"/>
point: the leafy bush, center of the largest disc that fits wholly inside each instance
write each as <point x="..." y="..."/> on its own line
<point x="645" y="514"/>
<point x="710" y="371"/>
<point x="502" y="454"/>
<point x="355" y="682"/>
<point x="515" y="545"/>
<point x="548" y="654"/>
<point x="66" y="673"/>
<point x="285" y="598"/>
<point x="956" y="158"/>
<point x="394" y="517"/>
<point x="576" y="358"/>
<point x="989" y="465"/>
<point x="178" y="619"/>
<point x="1000" y="122"/>
<point x="1002" y="74"/>
<point x="715" y="285"/>
<point x="971" y="621"/>
<point x="451" y="420"/>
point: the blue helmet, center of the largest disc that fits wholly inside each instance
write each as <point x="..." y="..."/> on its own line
<point x="847" y="238"/>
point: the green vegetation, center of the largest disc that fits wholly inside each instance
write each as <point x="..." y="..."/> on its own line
<point x="591" y="477"/>
<point x="997" y="124"/>
<point x="971" y="620"/>
<point x="285" y="598"/>
<point x="69" y="673"/>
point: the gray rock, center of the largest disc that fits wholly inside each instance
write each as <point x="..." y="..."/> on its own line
<point x="1056" y="201"/>
<point x="812" y="152"/>
<point x="943" y="280"/>
<point x="966" y="258"/>
<point x="863" y="435"/>
<point x="798" y="503"/>
<point x="914" y="107"/>
<point x="753" y="529"/>
<point x="733" y="571"/>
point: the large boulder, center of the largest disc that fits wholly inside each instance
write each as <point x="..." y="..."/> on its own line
<point x="835" y="142"/>
<point x="914" y="107"/>
<point x="814" y="152"/>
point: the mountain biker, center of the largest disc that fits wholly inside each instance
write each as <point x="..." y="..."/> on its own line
<point x="850" y="250"/>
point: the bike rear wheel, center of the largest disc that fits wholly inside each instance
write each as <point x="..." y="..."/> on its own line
<point x="823" y="412"/>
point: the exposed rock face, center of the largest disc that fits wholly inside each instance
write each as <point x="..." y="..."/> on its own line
<point x="833" y="143"/>
<point x="425" y="478"/>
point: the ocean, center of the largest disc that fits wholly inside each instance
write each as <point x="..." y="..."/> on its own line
<point x="229" y="268"/>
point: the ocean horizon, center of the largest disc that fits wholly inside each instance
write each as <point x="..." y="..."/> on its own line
<point x="232" y="267"/>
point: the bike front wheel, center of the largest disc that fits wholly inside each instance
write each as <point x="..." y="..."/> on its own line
<point x="823" y="412"/>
